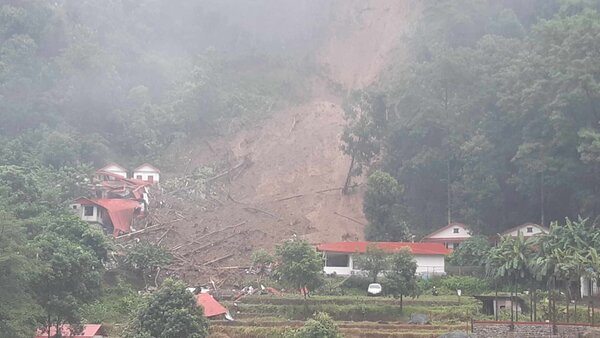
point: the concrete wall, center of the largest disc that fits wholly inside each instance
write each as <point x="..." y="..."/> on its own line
<point x="96" y="217"/>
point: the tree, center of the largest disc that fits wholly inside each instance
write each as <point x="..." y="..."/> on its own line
<point x="320" y="326"/>
<point x="18" y="311"/>
<point x="262" y="261"/>
<point x="472" y="252"/>
<point x="170" y="312"/>
<point x="374" y="261"/>
<point x="69" y="275"/>
<point x="299" y="265"/>
<point x="147" y="259"/>
<point x="360" y="137"/>
<point x="382" y="209"/>
<point x="401" y="279"/>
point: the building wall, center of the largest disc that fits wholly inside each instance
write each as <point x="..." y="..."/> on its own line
<point x="116" y="170"/>
<point x="536" y="230"/>
<point x="427" y="265"/>
<point x="145" y="174"/>
<point x="449" y="233"/>
<point x="430" y="264"/>
<point x="96" y="217"/>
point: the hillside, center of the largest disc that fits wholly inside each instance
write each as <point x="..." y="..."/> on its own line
<point x="293" y="169"/>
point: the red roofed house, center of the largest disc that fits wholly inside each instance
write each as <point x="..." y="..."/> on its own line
<point x="338" y="256"/>
<point x="211" y="307"/>
<point x="113" y="215"/>
<point x="115" y="169"/>
<point x="146" y="172"/>
<point x="450" y="236"/>
<point x="89" y="331"/>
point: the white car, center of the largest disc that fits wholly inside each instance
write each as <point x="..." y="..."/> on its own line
<point x="374" y="289"/>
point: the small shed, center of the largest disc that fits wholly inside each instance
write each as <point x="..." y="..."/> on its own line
<point x="88" y="331"/>
<point x="114" y="169"/>
<point x="147" y="172"/>
<point x="502" y="302"/>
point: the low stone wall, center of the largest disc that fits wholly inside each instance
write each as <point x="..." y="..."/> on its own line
<point x="493" y="329"/>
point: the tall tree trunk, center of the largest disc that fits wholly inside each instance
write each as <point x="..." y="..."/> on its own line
<point x="401" y="307"/>
<point x="349" y="176"/>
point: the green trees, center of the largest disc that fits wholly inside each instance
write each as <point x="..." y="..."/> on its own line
<point x="383" y="210"/>
<point x="18" y="310"/>
<point x="170" y="312"/>
<point x="68" y="268"/>
<point x="401" y="279"/>
<point x="299" y="265"/>
<point x="472" y="252"/>
<point x="374" y="261"/>
<point x="494" y="124"/>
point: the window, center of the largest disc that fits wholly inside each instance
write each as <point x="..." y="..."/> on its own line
<point x="74" y="207"/>
<point x="529" y="229"/>
<point x="88" y="210"/>
<point x="150" y="178"/>
<point x="138" y="177"/>
<point x="337" y="260"/>
<point x="455" y="230"/>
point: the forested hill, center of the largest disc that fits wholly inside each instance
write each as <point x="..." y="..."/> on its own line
<point x="89" y="80"/>
<point x="494" y="115"/>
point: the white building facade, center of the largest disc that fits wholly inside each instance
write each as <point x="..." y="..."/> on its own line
<point x="147" y="172"/>
<point x="339" y="256"/>
<point x="450" y="236"/>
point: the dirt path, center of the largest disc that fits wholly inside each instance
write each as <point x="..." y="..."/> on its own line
<point x="294" y="166"/>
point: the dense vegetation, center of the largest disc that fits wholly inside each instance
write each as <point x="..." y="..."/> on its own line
<point x="491" y="118"/>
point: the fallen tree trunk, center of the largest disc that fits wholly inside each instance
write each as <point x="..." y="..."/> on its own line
<point x="349" y="218"/>
<point x="217" y="259"/>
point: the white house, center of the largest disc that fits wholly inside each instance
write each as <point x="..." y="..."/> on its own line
<point x="338" y="256"/>
<point x="527" y="229"/>
<point x="115" y="169"/>
<point x="450" y="236"/>
<point x="89" y="211"/>
<point x="146" y="172"/>
<point x="114" y="215"/>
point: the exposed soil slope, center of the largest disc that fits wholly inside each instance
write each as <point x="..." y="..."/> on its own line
<point x="288" y="169"/>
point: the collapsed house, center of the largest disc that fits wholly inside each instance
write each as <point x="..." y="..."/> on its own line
<point x="118" y="201"/>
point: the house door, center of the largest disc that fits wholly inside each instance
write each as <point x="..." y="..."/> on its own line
<point x="150" y="178"/>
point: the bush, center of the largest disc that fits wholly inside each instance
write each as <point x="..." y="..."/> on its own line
<point x="320" y="326"/>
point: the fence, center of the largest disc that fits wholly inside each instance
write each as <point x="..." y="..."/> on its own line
<point x="492" y="329"/>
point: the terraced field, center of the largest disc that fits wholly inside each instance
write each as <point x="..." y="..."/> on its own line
<point x="270" y="316"/>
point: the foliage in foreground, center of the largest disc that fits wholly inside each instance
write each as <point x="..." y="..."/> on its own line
<point x="300" y="266"/>
<point x="171" y="312"/>
<point x="320" y="326"/>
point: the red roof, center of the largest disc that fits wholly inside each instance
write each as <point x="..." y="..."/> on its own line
<point x="360" y="247"/>
<point x="119" y="210"/>
<point x="89" y="331"/>
<point x="211" y="306"/>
